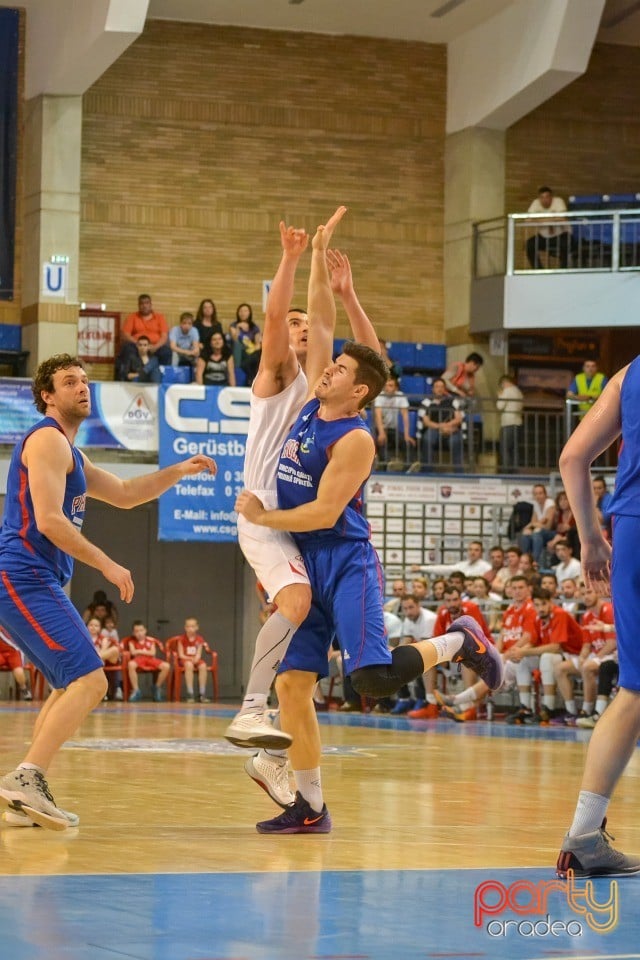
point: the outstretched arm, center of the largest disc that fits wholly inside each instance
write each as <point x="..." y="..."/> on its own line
<point x="597" y="431"/>
<point x="342" y="285"/>
<point x="278" y="362"/>
<point x="321" y="304"/>
<point x="105" y="486"/>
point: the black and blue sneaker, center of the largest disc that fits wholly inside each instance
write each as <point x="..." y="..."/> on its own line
<point x="478" y="653"/>
<point x="298" y="817"/>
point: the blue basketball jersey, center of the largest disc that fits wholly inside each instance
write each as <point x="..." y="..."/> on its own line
<point x="626" y="496"/>
<point x="21" y="543"/>
<point x="303" y="459"/>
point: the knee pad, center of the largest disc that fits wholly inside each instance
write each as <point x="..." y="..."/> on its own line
<point x="384" y="679"/>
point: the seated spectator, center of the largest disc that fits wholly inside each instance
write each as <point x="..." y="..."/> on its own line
<point x="567" y="567"/>
<point x="11" y="659"/>
<point x="440" y="420"/>
<point x="509" y="403"/>
<point x="489" y="603"/>
<point x="587" y="386"/>
<point x="527" y="565"/>
<point x="109" y="653"/>
<point x="549" y="581"/>
<point x="145" y="322"/>
<point x="559" y="636"/>
<point x="390" y="409"/>
<point x="510" y="569"/>
<point x="101" y="607"/>
<point x="599" y="646"/>
<point x="143" y="649"/>
<point x="460" y="376"/>
<point x="603" y="500"/>
<point x="420" y="589"/>
<point x="189" y="653"/>
<point x="207" y="323"/>
<point x="215" y="366"/>
<point x="539" y="532"/>
<point x="457" y="579"/>
<point x="438" y="588"/>
<point x="564" y="524"/>
<point x="393" y="628"/>
<point x="141" y="366"/>
<point x="569" y="596"/>
<point x="247" y="342"/>
<point x="553" y="234"/>
<point x="496" y="563"/>
<point x="184" y="341"/>
<point x="394" y="605"/>
<point x="474" y="565"/>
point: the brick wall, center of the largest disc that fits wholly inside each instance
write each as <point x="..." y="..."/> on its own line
<point x="585" y="139"/>
<point x="199" y="139"/>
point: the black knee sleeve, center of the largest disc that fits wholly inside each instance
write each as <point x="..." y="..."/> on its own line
<point x="607" y="677"/>
<point x="385" y="679"/>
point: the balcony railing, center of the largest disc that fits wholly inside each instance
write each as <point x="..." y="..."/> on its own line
<point x="606" y="241"/>
<point x="477" y="448"/>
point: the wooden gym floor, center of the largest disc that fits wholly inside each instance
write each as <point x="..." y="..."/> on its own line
<point x="433" y="822"/>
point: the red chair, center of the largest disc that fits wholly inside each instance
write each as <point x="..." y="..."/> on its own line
<point x="209" y="656"/>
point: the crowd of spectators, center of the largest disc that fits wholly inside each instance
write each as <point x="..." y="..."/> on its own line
<point x="198" y="343"/>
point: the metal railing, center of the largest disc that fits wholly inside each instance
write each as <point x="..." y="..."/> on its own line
<point x="479" y="446"/>
<point x="594" y="240"/>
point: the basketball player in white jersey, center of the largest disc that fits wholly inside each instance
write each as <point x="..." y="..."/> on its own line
<point x="278" y="394"/>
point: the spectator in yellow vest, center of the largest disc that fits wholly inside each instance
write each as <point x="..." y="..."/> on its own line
<point x="587" y="386"/>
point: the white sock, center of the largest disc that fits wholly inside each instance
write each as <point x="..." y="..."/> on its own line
<point x="431" y="698"/>
<point x="447" y="645"/>
<point x="571" y="707"/>
<point x="467" y="696"/>
<point x="525" y="698"/>
<point x="601" y="705"/>
<point x="309" y="784"/>
<point x="271" y="646"/>
<point x="587" y="706"/>
<point x="30" y="766"/>
<point x="590" y="812"/>
<point x="549" y="700"/>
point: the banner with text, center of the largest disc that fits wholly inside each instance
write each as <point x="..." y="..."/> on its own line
<point x="123" y="415"/>
<point x="210" y="420"/>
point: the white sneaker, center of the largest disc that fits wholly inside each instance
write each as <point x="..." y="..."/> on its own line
<point x="17" y="818"/>
<point x="253" y="730"/>
<point x="119" y="695"/>
<point x="272" y="774"/>
<point x="28" y="791"/>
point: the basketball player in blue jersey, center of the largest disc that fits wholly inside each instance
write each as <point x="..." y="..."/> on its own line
<point x="48" y="482"/>
<point x="586" y="849"/>
<point x="323" y="466"/>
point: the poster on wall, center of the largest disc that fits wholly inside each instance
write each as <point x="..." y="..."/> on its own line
<point x="124" y="416"/>
<point x="210" y="420"/>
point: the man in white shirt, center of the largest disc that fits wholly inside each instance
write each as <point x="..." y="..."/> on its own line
<point x="553" y="235"/>
<point x="390" y="409"/>
<point x="474" y="565"/>
<point x="417" y="624"/>
<point x="509" y="403"/>
<point x="569" y="567"/>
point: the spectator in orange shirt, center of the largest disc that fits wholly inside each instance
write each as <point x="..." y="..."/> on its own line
<point x="153" y="326"/>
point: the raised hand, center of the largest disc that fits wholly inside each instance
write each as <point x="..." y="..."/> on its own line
<point x="324" y="232"/>
<point x="197" y="464"/>
<point x="341" y="277"/>
<point x="294" y="240"/>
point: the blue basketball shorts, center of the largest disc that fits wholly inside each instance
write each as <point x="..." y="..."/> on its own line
<point x="46" y="626"/>
<point x="347" y="586"/>
<point x="625" y="594"/>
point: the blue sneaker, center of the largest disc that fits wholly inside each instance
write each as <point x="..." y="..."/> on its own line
<point x="298" y="817"/>
<point x="158" y="694"/>
<point x="135" y="696"/>
<point x="478" y="653"/>
<point x="402" y="706"/>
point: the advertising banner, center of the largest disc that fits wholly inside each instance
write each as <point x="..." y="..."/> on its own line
<point x="123" y="415"/>
<point x="210" y="420"/>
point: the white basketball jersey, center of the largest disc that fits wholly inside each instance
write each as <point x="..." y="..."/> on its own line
<point x="270" y="420"/>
